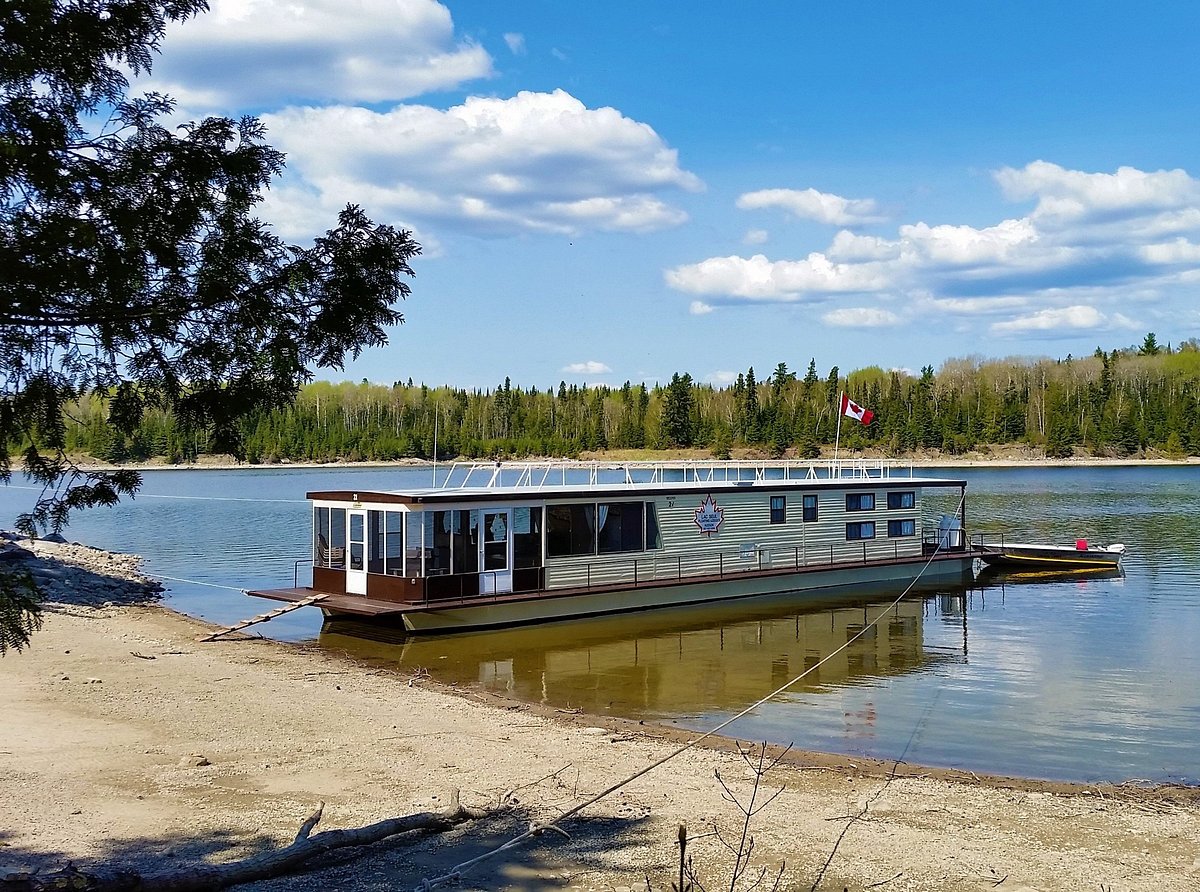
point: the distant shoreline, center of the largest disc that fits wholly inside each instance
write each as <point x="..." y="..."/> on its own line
<point x="923" y="462"/>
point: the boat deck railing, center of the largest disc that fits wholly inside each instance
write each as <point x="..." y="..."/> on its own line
<point x="650" y="571"/>
<point x="538" y="475"/>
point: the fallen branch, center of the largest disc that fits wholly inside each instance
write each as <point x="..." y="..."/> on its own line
<point x="276" y="863"/>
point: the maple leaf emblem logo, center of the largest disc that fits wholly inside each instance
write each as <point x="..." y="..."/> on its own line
<point x="708" y="516"/>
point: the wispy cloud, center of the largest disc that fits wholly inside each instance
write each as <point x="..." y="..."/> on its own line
<point x="1074" y="318"/>
<point x="755" y="237"/>
<point x="860" y="317"/>
<point x="699" y="308"/>
<point x="516" y="43"/>
<point x="809" y="204"/>
<point x="591" y="367"/>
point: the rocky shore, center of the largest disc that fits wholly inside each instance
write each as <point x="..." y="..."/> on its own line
<point x="69" y="573"/>
<point x="128" y="742"/>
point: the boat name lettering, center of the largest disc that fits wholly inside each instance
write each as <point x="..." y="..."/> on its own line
<point x="709" y="517"/>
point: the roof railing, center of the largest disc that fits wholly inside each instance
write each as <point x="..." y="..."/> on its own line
<point x="586" y="474"/>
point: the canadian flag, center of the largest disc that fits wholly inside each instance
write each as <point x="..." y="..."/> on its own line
<point x="852" y="409"/>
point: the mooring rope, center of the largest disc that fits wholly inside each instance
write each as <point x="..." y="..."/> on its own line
<point x="232" y="588"/>
<point x="151" y="495"/>
<point x="456" y="873"/>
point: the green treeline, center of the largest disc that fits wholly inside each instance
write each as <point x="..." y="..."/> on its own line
<point x="1119" y="403"/>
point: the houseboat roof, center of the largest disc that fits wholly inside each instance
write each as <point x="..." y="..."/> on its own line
<point x="476" y="482"/>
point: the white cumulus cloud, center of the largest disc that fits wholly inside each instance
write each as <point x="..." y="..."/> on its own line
<point x="591" y="367"/>
<point x="537" y="162"/>
<point x="699" y="308"/>
<point x="246" y="53"/>
<point x="1068" y="195"/>
<point x="758" y="278"/>
<point x="1093" y="243"/>
<point x="809" y="204"/>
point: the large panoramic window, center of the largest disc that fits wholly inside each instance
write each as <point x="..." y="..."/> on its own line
<point x="621" y="526"/>
<point x="778" y="509"/>
<point x="860" y="501"/>
<point x="570" y="530"/>
<point x="898" y="528"/>
<point x="862" y="530"/>
<point x="902" y="500"/>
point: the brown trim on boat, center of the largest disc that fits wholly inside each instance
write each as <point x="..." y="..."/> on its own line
<point x="326" y="579"/>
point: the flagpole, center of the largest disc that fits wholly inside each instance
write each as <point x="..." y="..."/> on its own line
<point x="838" y="438"/>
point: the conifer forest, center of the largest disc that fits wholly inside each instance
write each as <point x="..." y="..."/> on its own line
<point x="1120" y="403"/>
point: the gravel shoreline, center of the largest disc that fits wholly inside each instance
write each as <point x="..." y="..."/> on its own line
<point x="127" y="740"/>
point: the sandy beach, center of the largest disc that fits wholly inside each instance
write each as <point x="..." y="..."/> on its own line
<point x="129" y="741"/>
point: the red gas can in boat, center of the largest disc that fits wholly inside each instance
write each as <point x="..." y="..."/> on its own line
<point x="1081" y="544"/>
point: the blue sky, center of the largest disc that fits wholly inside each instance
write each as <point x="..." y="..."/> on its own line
<point x="624" y="190"/>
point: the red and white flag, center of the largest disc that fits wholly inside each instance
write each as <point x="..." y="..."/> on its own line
<point x="852" y="409"/>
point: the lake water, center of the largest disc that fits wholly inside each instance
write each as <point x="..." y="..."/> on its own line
<point x="1089" y="678"/>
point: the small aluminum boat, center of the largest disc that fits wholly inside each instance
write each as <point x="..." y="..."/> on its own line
<point x="1078" y="556"/>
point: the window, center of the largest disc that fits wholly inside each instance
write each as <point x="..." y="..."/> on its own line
<point x="393" y="560"/>
<point x="464" y="541"/>
<point x="653" y="540"/>
<point x="414" y="550"/>
<point x="778" y="509"/>
<point x="438" y="526"/>
<point x="527" y="537"/>
<point x="902" y="528"/>
<point x="358" y="541"/>
<point x="860" y="501"/>
<point x="620" y="527"/>
<point x="902" y="500"/>
<point x="570" y="530"/>
<point x="375" y="542"/>
<point x="862" y="530"/>
<point x="810" y="509"/>
<point x="329" y="538"/>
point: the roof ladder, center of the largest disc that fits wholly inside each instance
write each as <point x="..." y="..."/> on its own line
<point x="264" y="617"/>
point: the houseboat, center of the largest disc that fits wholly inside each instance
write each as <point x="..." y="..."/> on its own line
<point x="504" y="544"/>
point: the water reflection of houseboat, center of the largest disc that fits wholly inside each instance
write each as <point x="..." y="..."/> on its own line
<point x="508" y="544"/>
<point x="666" y="662"/>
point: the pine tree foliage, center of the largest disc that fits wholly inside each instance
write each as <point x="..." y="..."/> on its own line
<point x="1116" y="403"/>
<point x="132" y="264"/>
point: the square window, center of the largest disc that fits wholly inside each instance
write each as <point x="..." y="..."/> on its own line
<point x="860" y="501"/>
<point x="810" y="509"/>
<point x="898" y="528"/>
<point x="778" y="509"/>
<point x="901" y="500"/>
<point x="862" y="530"/>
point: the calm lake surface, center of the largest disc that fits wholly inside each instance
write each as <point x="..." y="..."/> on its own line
<point x="1088" y="678"/>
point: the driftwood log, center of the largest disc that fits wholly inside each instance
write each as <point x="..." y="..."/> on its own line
<point x="290" y="859"/>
